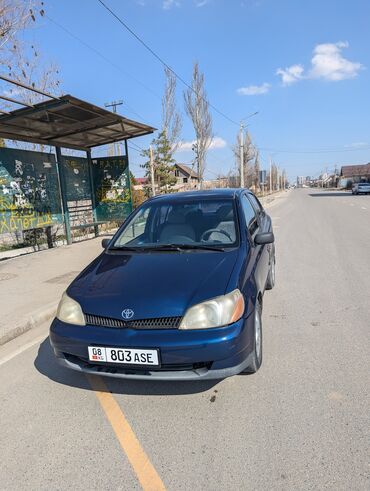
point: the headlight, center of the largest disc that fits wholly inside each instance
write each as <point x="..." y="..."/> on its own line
<point x="219" y="311"/>
<point x="70" y="311"/>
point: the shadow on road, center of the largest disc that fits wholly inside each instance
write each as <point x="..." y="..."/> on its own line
<point x="330" y="194"/>
<point x="47" y="365"/>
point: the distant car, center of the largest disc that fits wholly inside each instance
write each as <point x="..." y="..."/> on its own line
<point x="176" y="294"/>
<point x="361" y="188"/>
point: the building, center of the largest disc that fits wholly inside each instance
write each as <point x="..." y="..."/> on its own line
<point x="186" y="177"/>
<point x="350" y="174"/>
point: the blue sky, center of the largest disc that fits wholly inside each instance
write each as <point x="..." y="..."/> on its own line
<point x="303" y="65"/>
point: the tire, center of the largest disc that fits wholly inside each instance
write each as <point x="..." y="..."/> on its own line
<point x="257" y="348"/>
<point x="271" y="276"/>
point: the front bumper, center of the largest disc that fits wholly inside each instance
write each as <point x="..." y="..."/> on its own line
<point x="185" y="355"/>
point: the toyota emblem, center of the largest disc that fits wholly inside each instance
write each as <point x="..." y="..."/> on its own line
<point x="127" y="314"/>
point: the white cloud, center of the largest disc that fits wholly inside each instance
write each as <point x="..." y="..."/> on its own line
<point x="357" y="145"/>
<point x="167" y="4"/>
<point x="254" y="89"/>
<point x="290" y="74"/>
<point x="217" y="142"/>
<point x="201" y="3"/>
<point x="327" y="63"/>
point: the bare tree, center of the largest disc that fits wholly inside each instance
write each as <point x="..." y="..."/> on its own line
<point x="19" y="61"/>
<point x="171" y="118"/>
<point x="256" y="172"/>
<point x="249" y="154"/>
<point x="16" y="15"/>
<point x="197" y="108"/>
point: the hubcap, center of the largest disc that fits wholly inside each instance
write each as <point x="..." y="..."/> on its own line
<point x="257" y="334"/>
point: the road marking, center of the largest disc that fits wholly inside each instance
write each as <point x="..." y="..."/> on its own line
<point x="363" y="208"/>
<point x="145" y="472"/>
<point x="20" y="350"/>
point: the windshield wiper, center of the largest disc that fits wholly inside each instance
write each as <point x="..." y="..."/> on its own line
<point x="127" y="248"/>
<point x="168" y="247"/>
<point x="184" y="247"/>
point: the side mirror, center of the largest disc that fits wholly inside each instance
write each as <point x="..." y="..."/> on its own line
<point x="264" y="238"/>
<point x="105" y="243"/>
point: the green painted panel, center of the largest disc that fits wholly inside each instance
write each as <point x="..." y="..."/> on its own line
<point x="77" y="178"/>
<point x="29" y="190"/>
<point x="112" y="188"/>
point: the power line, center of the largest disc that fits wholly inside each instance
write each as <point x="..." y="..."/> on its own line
<point x="107" y="60"/>
<point x="315" y="151"/>
<point x="146" y="46"/>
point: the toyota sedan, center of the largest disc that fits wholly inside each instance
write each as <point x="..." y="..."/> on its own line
<point x="176" y="294"/>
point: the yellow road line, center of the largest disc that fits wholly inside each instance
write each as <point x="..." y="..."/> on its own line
<point x="147" y="475"/>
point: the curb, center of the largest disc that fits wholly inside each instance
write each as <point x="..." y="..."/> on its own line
<point x="33" y="320"/>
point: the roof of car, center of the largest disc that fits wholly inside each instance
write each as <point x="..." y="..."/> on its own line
<point x="204" y="193"/>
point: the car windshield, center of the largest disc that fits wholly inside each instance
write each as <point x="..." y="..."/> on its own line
<point x="199" y="223"/>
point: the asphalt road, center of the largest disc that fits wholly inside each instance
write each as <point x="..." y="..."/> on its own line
<point x="301" y="422"/>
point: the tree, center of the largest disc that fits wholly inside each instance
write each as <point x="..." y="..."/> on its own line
<point x="21" y="62"/>
<point x="166" y="143"/>
<point x="256" y="172"/>
<point x="15" y="15"/>
<point x="249" y="154"/>
<point x="171" y="118"/>
<point x="197" y="108"/>
<point x="163" y="164"/>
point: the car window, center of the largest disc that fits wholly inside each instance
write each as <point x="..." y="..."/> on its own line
<point x="249" y="214"/>
<point x="255" y="203"/>
<point x="135" y="228"/>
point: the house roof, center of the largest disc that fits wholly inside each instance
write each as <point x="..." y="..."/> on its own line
<point x="141" y="180"/>
<point x="187" y="170"/>
<point x="355" y="170"/>
<point x="68" y="122"/>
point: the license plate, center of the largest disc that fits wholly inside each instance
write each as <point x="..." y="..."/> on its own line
<point x="126" y="356"/>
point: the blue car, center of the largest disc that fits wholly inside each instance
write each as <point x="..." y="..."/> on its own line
<point x="176" y="294"/>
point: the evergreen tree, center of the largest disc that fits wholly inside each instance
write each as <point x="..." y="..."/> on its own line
<point x="163" y="163"/>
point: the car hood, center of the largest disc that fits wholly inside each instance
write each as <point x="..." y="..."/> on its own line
<point x="160" y="284"/>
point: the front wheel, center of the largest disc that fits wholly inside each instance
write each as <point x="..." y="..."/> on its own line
<point x="257" y="349"/>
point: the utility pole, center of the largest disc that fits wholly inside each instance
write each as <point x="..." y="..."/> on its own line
<point x="241" y="170"/>
<point x="270" y="174"/>
<point x="152" y="169"/>
<point x="114" y="104"/>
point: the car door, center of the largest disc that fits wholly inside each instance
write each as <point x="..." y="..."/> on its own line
<point x="265" y="225"/>
<point x="256" y="251"/>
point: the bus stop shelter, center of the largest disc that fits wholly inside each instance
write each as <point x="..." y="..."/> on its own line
<point x="67" y="122"/>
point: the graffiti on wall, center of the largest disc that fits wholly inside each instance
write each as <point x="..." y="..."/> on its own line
<point x="29" y="188"/>
<point x="29" y="191"/>
<point x="112" y="188"/>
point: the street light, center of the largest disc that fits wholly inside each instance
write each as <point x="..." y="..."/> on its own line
<point x="242" y="126"/>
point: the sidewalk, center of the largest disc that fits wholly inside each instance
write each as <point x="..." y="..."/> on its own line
<point x="31" y="285"/>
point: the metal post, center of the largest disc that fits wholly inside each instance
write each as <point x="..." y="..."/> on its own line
<point x="270" y="175"/>
<point x="241" y="170"/>
<point x="152" y="169"/>
<point x="62" y="186"/>
<point x="92" y="191"/>
<point x="129" y="175"/>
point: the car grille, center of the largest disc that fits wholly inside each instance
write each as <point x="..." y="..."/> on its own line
<point x="153" y="323"/>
